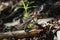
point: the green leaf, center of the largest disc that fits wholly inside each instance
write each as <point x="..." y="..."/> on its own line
<point x="17" y="8"/>
<point x="33" y="7"/>
<point x="31" y="2"/>
<point x="23" y="3"/>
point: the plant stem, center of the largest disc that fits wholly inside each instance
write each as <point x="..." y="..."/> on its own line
<point x="27" y="13"/>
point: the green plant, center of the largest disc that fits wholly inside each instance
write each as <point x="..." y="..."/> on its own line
<point x="25" y="7"/>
